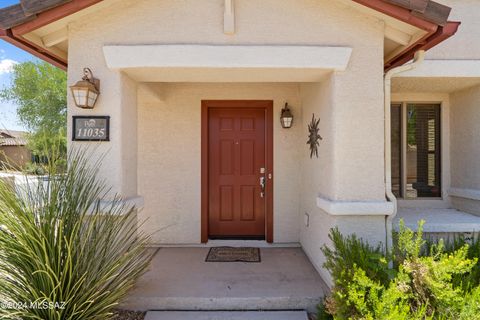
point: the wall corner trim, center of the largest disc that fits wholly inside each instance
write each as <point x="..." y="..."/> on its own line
<point x="355" y="208"/>
<point x="473" y="194"/>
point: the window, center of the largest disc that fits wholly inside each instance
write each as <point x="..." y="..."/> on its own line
<point x="415" y="139"/>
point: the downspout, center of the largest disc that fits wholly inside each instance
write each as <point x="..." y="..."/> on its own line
<point x="418" y="59"/>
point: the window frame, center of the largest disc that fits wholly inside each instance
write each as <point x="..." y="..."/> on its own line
<point x="403" y="147"/>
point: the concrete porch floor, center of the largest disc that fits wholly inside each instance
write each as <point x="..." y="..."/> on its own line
<point x="180" y="279"/>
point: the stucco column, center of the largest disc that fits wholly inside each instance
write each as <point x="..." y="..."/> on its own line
<point x="465" y="150"/>
<point x="118" y="99"/>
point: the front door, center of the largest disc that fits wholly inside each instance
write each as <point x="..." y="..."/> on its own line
<point x="237" y="170"/>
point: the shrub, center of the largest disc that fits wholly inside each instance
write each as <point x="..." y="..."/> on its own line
<point x="33" y="168"/>
<point x="63" y="251"/>
<point x="350" y="253"/>
<point x="472" y="278"/>
<point x="421" y="285"/>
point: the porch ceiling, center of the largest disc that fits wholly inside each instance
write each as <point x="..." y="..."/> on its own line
<point x="429" y="84"/>
<point x="439" y="76"/>
<point x="210" y="63"/>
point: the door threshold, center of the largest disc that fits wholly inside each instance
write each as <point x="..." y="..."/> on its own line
<point x="240" y="238"/>
<point x="233" y="243"/>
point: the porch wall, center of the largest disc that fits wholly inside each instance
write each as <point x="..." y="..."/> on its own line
<point x="318" y="174"/>
<point x="169" y="165"/>
<point x="465" y="150"/>
<point x="340" y="160"/>
<point x="464" y="45"/>
<point x="350" y="167"/>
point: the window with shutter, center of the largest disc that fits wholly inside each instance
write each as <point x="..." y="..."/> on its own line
<point x="396" y="144"/>
<point x="416" y="163"/>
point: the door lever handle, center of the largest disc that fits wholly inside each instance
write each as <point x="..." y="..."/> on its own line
<point x="262" y="186"/>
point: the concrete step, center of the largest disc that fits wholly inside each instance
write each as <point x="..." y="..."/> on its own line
<point x="226" y="315"/>
<point x="252" y="303"/>
<point x="180" y="279"/>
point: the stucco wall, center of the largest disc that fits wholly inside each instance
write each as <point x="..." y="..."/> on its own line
<point x="169" y="161"/>
<point x="465" y="44"/>
<point x="465" y="147"/>
<point x="117" y="100"/>
<point x="320" y="178"/>
<point x="318" y="174"/>
<point x="168" y="141"/>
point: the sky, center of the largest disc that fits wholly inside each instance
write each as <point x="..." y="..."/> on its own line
<point x="9" y="55"/>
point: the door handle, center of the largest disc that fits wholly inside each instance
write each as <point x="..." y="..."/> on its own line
<point x="262" y="186"/>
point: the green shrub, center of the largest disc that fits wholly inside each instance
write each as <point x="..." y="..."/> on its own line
<point x="351" y="250"/>
<point x="472" y="278"/>
<point x="422" y="284"/>
<point x="33" y="168"/>
<point x="63" y="255"/>
<point x="349" y="253"/>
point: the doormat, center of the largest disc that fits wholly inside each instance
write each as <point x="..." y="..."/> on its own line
<point x="231" y="254"/>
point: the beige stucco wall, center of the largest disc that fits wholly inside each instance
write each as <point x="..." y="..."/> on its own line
<point x="461" y="129"/>
<point x="466" y="42"/>
<point x="165" y="145"/>
<point x="318" y="174"/>
<point x="169" y="161"/>
<point x="320" y="178"/>
<point x="465" y="148"/>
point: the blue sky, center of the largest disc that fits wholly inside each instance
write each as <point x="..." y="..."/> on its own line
<point x="9" y="55"/>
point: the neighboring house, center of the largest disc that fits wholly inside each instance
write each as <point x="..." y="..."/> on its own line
<point x="194" y="90"/>
<point x="13" y="149"/>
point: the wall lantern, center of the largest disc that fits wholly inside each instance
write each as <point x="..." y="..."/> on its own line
<point x="286" y="119"/>
<point x="86" y="91"/>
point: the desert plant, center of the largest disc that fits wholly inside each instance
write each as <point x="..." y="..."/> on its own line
<point x="64" y="253"/>
<point x="423" y="285"/>
<point x="33" y="168"/>
<point x="451" y="244"/>
<point x="350" y="250"/>
<point x="348" y="254"/>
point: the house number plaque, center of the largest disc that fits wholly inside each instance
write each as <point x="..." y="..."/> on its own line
<point x="95" y="128"/>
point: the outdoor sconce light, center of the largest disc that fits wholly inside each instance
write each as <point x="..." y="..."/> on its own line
<point x="86" y="91"/>
<point x="286" y="119"/>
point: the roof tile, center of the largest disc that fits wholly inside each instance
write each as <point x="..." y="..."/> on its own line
<point x="31" y="7"/>
<point x="27" y="10"/>
<point x="12" y="16"/>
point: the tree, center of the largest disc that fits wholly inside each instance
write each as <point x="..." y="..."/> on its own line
<point x="40" y="91"/>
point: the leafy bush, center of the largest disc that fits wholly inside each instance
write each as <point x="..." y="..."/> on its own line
<point x="350" y="254"/>
<point x="472" y="278"/>
<point x="427" y="282"/>
<point x="63" y="255"/>
<point x="34" y="168"/>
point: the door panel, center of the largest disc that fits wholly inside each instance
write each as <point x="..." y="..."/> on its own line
<point x="236" y="152"/>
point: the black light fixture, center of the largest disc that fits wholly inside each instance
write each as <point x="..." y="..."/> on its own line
<point x="85" y="92"/>
<point x="286" y="119"/>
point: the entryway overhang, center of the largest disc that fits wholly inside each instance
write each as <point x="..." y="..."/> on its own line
<point x="226" y="63"/>
<point x="41" y="27"/>
<point x="442" y="76"/>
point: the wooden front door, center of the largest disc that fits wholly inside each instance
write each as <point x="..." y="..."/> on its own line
<point x="239" y="175"/>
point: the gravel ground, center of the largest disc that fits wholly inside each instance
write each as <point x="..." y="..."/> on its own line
<point x="128" y="315"/>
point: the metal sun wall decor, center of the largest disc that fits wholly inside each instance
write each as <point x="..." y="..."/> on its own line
<point x="314" y="136"/>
